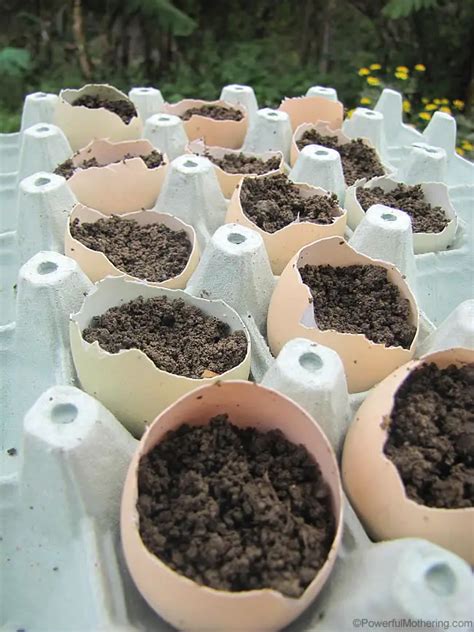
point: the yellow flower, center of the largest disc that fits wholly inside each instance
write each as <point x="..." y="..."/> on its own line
<point x="445" y="109"/>
<point x="430" y="107"/>
<point x="366" y="101"/>
<point x="425" y="100"/>
<point x="445" y="101"/>
<point x="349" y="113"/>
<point x="468" y="146"/>
<point x="437" y="101"/>
<point x="375" y="66"/>
<point x="373" y="81"/>
<point x="402" y="69"/>
<point x="406" y="105"/>
<point x="364" y="71"/>
<point x="401" y="75"/>
<point x="460" y="151"/>
<point x="420" y="67"/>
<point x="425" y="116"/>
<point x="458" y="104"/>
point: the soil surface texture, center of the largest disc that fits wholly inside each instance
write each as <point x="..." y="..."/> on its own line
<point x="424" y="217"/>
<point x="177" y="337"/>
<point x="121" y="107"/>
<point x="274" y="202"/>
<point x="431" y="436"/>
<point x="217" y="112"/>
<point x="358" y="160"/>
<point x="67" y="168"/>
<point x="235" y="509"/>
<point x="359" y="299"/>
<point x="153" y="252"/>
<point x="239" y="163"/>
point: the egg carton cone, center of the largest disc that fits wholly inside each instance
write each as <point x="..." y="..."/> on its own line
<point x="385" y="233"/>
<point x="191" y="191"/>
<point x="423" y="163"/>
<point x="270" y="130"/>
<point x="235" y="267"/>
<point x="313" y="375"/>
<point x="457" y="330"/>
<point x="322" y="91"/>
<point x="43" y="147"/>
<point x="148" y="101"/>
<point x="8" y="202"/>
<point x="365" y="123"/>
<point x="320" y="167"/>
<point x="237" y="94"/>
<point x="167" y="134"/>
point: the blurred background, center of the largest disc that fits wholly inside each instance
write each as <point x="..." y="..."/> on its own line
<point x="191" y="48"/>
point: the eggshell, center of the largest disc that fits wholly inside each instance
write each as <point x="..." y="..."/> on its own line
<point x="282" y="245"/>
<point x="82" y="124"/>
<point x="291" y="315"/>
<point x="219" y="133"/>
<point x="374" y="485"/>
<point x="229" y="181"/>
<point x="313" y="110"/>
<point x="179" y="600"/>
<point x="128" y="383"/>
<point x="117" y="187"/>
<point x="435" y="194"/>
<point x="96" y="264"/>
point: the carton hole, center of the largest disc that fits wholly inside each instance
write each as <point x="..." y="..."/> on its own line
<point x="144" y="89"/>
<point x="39" y="182"/>
<point x="236" y="238"/>
<point x="311" y="362"/>
<point x="272" y="114"/>
<point x="388" y="217"/>
<point x="41" y="95"/>
<point x="43" y="128"/>
<point x="164" y="118"/>
<point x="46" y="267"/>
<point x="190" y="163"/>
<point x="64" y="413"/>
<point x="239" y="88"/>
<point x="430" y="151"/>
<point x="320" y="152"/>
<point x="440" y="579"/>
<point x="369" y="113"/>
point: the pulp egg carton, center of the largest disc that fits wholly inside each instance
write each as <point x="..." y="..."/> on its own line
<point x="65" y="455"/>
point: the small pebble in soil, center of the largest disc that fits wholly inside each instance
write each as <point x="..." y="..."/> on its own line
<point x="153" y="252"/>
<point x="176" y="336"/>
<point x="358" y="159"/>
<point x="235" y="509"/>
<point x="359" y="299"/>
<point x="121" y="107"/>
<point x="216" y="112"/>
<point x="431" y="435"/>
<point x="67" y="168"/>
<point x="274" y="202"/>
<point x="240" y="163"/>
<point x="411" y="199"/>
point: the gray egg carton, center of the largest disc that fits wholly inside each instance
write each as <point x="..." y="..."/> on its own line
<point x="64" y="456"/>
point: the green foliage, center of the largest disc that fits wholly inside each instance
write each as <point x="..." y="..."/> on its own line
<point x="14" y="62"/>
<point x="396" y="9"/>
<point x="165" y="13"/>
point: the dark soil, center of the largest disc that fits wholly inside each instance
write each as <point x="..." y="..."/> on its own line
<point x="274" y="202"/>
<point x="66" y="169"/>
<point x="239" y="163"/>
<point x="235" y="509"/>
<point x="177" y="337"/>
<point x="431" y="436"/>
<point x="217" y="112"/>
<point x="358" y="160"/>
<point x="424" y="217"/>
<point x="121" y="107"/>
<point x="153" y="252"/>
<point x="359" y="299"/>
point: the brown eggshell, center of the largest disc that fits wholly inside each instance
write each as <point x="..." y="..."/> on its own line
<point x="229" y="181"/>
<point x="215" y="133"/>
<point x="374" y="485"/>
<point x="282" y="245"/>
<point x="179" y="600"/>
<point x="117" y="187"/>
<point x="291" y="315"/>
<point x="313" y="110"/>
<point x="97" y="266"/>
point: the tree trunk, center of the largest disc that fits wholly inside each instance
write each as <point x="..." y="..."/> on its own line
<point x="79" y="39"/>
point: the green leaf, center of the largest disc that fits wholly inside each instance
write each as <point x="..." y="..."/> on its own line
<point x="14" y="62"/>
<point x="396" y="9"/>
<point x="165" y="13"/>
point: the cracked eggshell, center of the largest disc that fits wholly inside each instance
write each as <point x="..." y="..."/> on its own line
<point x="97" y="266"/>
<point x="82" y="124"/>
<point x="229" y="181"/>
<point x="282" y="245"/>
<point x="181" y="601"/>
<point x="373" y="483"/>
<point x="215" y="133"/>
<point x="128" y="383"/>
<point x="117" y="187"/>
<point x="436" y="194"/>
<point x="291" y="315"/>
<point x="313" y="110"/>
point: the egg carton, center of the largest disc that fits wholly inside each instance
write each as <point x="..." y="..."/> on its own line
<point x="64" y="455"/>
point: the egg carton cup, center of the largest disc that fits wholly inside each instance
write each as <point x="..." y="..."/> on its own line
<point x="118" y="185"/>
<point x="147" y="100"/>
<point x="97" y="265"/>
<point x="167" y="134"/>
<point x="237" y="94"/>
<point x="322" y="91"/>
<point x="230" y="181"/>
<point x="270" y="130"/>
<point x="313" y="109"/>
<point x="365" y="123"/>
<point x="321" y="167"/>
